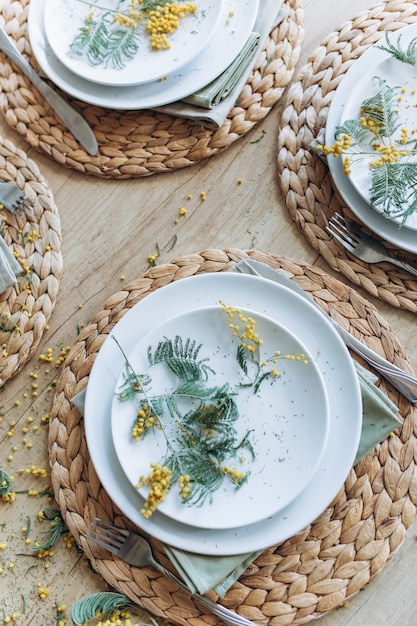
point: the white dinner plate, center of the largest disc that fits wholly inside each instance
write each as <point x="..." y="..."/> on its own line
<point x="370" y="61"/>
<point x="311" y="328"/>
<point x="236" y="24"/>
<point x="285" y="418"/>
<point x="402" y="76"/>
<point x="65" y="21"/>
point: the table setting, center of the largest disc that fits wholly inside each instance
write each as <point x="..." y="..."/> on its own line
<point x="351" y="198"/>
<point x="31" y="258"/>
<point x="189" y="91"/>
<point x="224" y="554"/>
<point x="222" y="436"/>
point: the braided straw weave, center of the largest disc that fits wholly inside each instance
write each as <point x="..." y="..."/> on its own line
<point x="140" y="143"/>
<point x="311" y="573"/>
<point x="305" y="180"/>
<point x="35" y="238"/>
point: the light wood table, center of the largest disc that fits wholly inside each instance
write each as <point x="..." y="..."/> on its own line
<point x="109" y="228"/>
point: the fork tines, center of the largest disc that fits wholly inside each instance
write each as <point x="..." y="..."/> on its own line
<point x="344" y="232"/>
<point x="14" y="199"/>
<point x="106" y="534"/>
<point x="21" y="206"/>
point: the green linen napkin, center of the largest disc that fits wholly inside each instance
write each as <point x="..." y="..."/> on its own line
<point x="379" y="414"/>
<point x="9" y="267"/>
<point x="213" y="93"/>
<point x="203" y="573"/>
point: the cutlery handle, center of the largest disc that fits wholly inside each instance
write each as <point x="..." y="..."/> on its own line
<point x="228" y="616"/>
<point x="406" y="386"/>
<point x="71" y="118"/>
<point x="405" y="383"/>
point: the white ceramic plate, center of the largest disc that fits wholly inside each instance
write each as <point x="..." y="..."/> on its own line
<point x="220" y="51"/>
<point x="396" y="74"/>
<point x="404" y="238"/>
<point x="63" y="21"/>
<point x="311" y="328"/>
<point x="286" y="419"/>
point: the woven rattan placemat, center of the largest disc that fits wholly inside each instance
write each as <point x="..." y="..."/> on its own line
<point x="305" y="180"/>
<point x="140" y="143"/>
<point x="35" y="238"/>
<point x="311" y="573"/>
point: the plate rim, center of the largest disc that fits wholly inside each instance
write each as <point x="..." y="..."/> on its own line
<point x="94" y="73"/>
<point x="319" y="423"/>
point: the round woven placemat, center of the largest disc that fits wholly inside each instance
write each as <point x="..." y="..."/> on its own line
<point x="305" y="180"/>
<point x="140" y="143"/>
<point x="35" y="238"/>
<point x="314" y="571"/>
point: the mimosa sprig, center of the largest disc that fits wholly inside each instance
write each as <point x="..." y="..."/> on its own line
<point x="198" y="457"/>
<point x="206" y="435"/>
<point x="405" y="56"/>
<point x="378" y="134"/>
<point x="110" y="37"/>
<point x="253" y="364"/>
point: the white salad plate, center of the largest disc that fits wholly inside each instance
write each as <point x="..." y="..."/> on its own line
<point x="285" y="418"/>
<point x="367" y="65"/>
<point x="226" y="43"/>
<point x="65" y="21"/>
<point x="312" y="330"/>
<point x="403" y="77"/>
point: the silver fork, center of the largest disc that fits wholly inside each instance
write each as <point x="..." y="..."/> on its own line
<point x="135" y="550"/>
<point x="362" y="245"/>
<point x="13" y="198"/>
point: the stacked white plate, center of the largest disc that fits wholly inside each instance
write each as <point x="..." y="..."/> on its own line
<point x="201" y="49"/>
<point x="305" y="426"/>
<point x="359" y="84"/>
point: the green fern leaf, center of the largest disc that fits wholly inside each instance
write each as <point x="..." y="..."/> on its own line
<point x="406" y="56"/>
<point x="217" y="414"/>
<point x="133" y="384"/>
<point x="241" y="357"/>
<point x="207" y="475"/>
<point x="380" y="109"/>
<point x="181" y="358"/>
<point x="394" y="188"/>
<point x="260" y="380"/>
<point x="120" y="47"/>
<point x="92" y="38"/>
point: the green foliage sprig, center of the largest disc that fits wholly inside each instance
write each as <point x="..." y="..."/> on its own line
<point x="378" y="134"/>
<point x="405" y="56"/>
<point x="5" y="484"/>
<point x="206" y="434"/>
<point x="112" y="37"/>
<point x="103" y="44"/>
<point x="206" y="438"/>
<point x="56" y="529"/>
<point x="106" y="604"/>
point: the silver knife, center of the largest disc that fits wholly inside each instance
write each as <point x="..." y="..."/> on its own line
<point x="401" y="380"/>
<point x="71" y="118"/>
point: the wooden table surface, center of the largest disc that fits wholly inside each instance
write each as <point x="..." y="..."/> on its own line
<point x="109" y="228"/>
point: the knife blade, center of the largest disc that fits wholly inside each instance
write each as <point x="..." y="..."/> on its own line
<point x="71" y="118"/>
<point x="404" y="382"/>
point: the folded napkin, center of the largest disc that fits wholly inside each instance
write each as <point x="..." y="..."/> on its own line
<point x="203" y="573"/>
<point x="270" y="14"/>
<point x="379" y="414"/>
<point x="216" y="91"/>
<point x="9" y="267"/>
